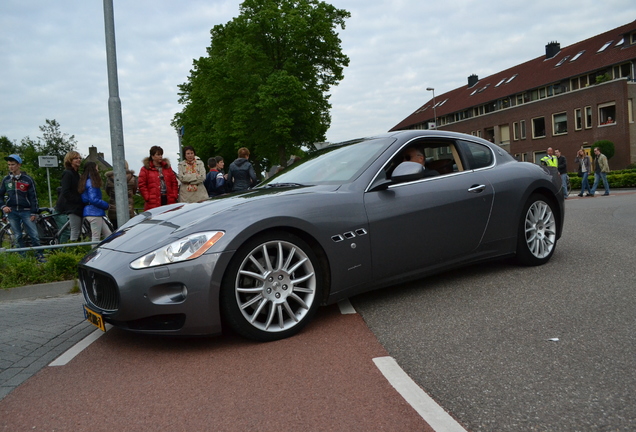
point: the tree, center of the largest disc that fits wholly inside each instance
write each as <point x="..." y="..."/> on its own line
<point x="606" y="147"/>
<point x="265" y="80"/>
<point x="52" y="143"/>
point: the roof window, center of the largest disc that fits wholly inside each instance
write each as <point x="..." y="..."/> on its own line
<point x="500" y="82"/>
<point x="579" y="54"/>
<point x="511" y="78"/>
<point x="563" y="60"/>
<point x="620" y="42"/>
<point x="604" y="47"/>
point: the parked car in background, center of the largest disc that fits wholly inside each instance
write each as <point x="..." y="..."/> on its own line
<point x="350" y="218"/>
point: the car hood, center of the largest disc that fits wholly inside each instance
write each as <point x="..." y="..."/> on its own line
<point x="158" y="226"/>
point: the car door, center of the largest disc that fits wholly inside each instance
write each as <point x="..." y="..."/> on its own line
<point x="421" y="223"/>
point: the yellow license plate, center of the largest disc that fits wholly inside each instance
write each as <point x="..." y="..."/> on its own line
<point x="94" y="318"/>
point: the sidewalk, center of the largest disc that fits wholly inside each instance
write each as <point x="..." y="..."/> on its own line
<point x="32" y="292"/>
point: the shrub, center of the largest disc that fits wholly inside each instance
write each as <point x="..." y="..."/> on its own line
<point x="18" y="270"/>
<point x="606" y="147"/>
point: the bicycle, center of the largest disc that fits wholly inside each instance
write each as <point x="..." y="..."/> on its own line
<point x="48" y="230"/>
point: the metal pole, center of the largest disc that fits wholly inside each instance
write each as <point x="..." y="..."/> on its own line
<point x="434" y="105"/>
<point x="48" y="180"/>
<point x="114" y="113"/>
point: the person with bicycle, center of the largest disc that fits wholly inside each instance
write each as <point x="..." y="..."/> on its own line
<point x="21" y="203"/>
<point x="562" y="166"/>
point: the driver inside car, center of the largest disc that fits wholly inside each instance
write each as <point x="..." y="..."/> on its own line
<point x="413" y="154"/>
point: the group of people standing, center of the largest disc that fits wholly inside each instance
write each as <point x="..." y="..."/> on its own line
<point x="160" y="185"/>
<point x="585" y="165"/>
<point x="80" y="195"/>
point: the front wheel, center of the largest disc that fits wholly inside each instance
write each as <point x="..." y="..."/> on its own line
<point x="7" y="240"/>
<point x="272" y="287"/>
<point x="537" y="235"/>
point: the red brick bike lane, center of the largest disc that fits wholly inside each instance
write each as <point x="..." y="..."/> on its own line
<point x="323" y="379"/>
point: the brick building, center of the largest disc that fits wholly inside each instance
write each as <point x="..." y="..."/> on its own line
<point x="569" y="98"/>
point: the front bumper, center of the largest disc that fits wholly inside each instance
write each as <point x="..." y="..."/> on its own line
<point x="180" y="299"/>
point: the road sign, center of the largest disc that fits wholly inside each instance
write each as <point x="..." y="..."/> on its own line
<point x="47" y="161"/>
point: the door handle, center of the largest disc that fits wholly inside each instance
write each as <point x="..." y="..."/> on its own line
<point x="476" y="188"/>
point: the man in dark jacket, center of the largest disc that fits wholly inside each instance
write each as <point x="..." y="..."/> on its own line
<point x="21" y="204"/>
<point x="241" y="175"/>
<point x="562" y="166"/>
<point x="214" y="181"/>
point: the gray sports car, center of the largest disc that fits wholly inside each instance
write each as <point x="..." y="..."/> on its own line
<point x="350" y="218"/>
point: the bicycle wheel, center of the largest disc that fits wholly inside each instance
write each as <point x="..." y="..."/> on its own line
<point x="7" y="240"/>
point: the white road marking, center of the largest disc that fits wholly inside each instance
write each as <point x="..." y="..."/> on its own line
<point x="346" y="307"/>
<point x="425" y="406"/>
<point x="78" y="348"/>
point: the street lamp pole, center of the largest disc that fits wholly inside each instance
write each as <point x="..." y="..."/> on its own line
<point x="431" y="89"/>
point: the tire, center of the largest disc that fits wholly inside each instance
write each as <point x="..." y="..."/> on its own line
<point x="537" y="235"/>
<point x="272" y="287"/>
<point x="6" y="237"/>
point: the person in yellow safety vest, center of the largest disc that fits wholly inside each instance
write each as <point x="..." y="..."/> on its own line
<point x="550" y="159"/>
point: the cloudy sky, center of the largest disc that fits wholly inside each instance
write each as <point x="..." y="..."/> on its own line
<point x="53" y="59"/>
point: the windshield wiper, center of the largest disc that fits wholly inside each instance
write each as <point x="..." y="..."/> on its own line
<point x="281" y="185"/>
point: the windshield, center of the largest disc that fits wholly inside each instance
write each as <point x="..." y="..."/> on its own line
<point x="337" y="164"/>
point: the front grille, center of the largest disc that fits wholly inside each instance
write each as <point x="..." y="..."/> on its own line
<point x="101" y="290"/>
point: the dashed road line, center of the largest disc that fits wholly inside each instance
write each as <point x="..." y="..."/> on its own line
<point x="422" y="403"/>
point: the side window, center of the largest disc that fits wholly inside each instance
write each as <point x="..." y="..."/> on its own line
<point x="475" y="155"/>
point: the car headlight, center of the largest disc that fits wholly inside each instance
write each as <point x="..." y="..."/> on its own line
<point x="187" y="248"/>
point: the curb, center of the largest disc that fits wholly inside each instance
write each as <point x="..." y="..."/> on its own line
<point x="31" y="292"/>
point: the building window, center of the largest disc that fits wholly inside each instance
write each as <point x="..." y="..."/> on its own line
<point x="538" y="127"/>
<point x="522" y="129"/>
<point x="559" y="123"/>
<point x="588" y="117"/>
<point x="574" y="83"/>
<point x="630" y="110"/>
<point x="578" y="119"/>
<point x="607" y="114"/>
<point x="515" y="131"/>
<point x="604" y="47"/>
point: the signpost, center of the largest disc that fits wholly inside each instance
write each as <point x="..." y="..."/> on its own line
<point x="48" y="162"/>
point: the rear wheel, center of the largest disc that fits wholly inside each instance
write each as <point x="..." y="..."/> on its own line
<point x="272" y="287"/>
<point x="537" y="233"/>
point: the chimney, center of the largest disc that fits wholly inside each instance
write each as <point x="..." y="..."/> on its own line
<point x="472" y="80"/>
<point x="552" y="49"/>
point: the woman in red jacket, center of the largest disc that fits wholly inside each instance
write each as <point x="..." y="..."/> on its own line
<point x="157" y="181"/>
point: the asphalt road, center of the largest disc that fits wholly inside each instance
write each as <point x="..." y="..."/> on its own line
<point x="501" y="347"/>
<point x="508" y="348"/>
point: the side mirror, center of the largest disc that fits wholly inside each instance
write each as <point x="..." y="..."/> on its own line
<point x="407" y="171"/>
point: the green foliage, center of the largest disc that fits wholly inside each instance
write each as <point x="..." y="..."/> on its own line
<point x="264" y="82"/>
<point x="616" y="179"/>
<point x="603" y="78"/>
<point x="606" y="147"/>
<point x="17" y="270"/>
<point x="52" y="143"/>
